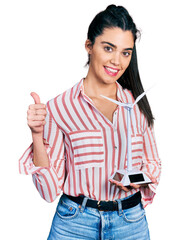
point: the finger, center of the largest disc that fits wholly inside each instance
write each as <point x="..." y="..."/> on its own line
<point x="36" y="112"/>
<point x="35" y="97"/>
<point x="36" y="117"/>
<point x="112" y="181"/>
<point x="136" y="186"/>
<point x="119" y="185"/>
<point x="41" y="112"/>
<point x="123" y="187"/>
<point x="36" y="123"/>
<point x="153" y="180"/>
<point x="37" y="106"/>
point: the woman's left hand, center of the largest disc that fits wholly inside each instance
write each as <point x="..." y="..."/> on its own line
<point x="133" y="185"/>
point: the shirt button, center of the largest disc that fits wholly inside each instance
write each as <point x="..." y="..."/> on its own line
<point x="115" y="147"/>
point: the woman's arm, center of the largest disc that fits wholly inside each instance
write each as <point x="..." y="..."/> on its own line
<point x="44" y="159"/>
<point x="151" y="164"/>
<point x="49" y="180"/>
<point x="36" y="115"/>
<point x="40" y="157"/>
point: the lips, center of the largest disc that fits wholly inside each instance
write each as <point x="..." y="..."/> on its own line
<point x="111" y="71"/>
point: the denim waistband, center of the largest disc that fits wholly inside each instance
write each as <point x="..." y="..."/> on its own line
<point x="125" y="203"/>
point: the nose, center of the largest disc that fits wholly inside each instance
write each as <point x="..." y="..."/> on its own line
<point x="116" y="59"/>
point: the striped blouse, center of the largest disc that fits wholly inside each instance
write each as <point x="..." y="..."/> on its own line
<point x="85" y="148"/>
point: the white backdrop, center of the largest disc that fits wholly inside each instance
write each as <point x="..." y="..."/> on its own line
<point x="42" y="50"/>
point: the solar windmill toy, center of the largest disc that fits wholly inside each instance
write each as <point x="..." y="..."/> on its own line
<point x="129" y="175"/>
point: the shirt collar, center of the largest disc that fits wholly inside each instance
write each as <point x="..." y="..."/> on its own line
<point x="80" y="89"/>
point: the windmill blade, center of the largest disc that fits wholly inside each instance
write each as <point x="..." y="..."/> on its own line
<point x="139" y="98"/>
<point x="117" y="102"/>
<point x="142" y="95"/>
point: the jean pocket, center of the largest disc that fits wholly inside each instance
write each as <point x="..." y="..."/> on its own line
<point x="137" y="150"/>
<point x="66" y="211"/>
<point x="134" y="214"/>
<point x="88" y="148"/>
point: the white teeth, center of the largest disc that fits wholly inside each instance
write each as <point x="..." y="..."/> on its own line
<point x="111" y="70"/>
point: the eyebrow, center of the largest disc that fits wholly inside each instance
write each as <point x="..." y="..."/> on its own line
<point x="112" y="45"/>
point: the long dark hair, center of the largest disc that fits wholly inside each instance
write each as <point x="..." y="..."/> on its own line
<point x="118" y="16"/>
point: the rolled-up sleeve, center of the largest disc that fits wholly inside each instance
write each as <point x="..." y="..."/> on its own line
<point x="48" y="180"/>
<point x="151" y="165"/>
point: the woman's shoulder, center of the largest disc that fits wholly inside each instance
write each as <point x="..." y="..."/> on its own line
<point x="65" y="96"/>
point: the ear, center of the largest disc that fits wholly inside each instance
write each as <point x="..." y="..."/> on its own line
<point x="88" y="46"/>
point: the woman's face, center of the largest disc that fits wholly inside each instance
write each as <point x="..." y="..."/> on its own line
<point x="110" y="55"/>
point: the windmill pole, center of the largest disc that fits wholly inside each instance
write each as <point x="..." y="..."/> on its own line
<point x="129" y="146"/>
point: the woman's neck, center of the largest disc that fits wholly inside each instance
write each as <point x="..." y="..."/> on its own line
<point x="94" y="89"/>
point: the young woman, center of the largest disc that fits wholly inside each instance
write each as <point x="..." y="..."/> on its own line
<point x="80" y="140"/>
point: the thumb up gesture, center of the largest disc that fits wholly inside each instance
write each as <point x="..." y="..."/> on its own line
<point x="36" y="115"/>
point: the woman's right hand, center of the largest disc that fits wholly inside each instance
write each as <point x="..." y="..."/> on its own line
<point x="36" y="115"/>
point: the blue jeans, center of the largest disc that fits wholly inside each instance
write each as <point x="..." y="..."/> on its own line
<point x="73" y="221"/>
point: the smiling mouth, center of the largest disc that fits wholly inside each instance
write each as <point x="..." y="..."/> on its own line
<point x="111" y="71"/>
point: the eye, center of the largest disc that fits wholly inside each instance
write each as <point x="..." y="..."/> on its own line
<point x="126" y="54"/>
<point x="108" y="49"/>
